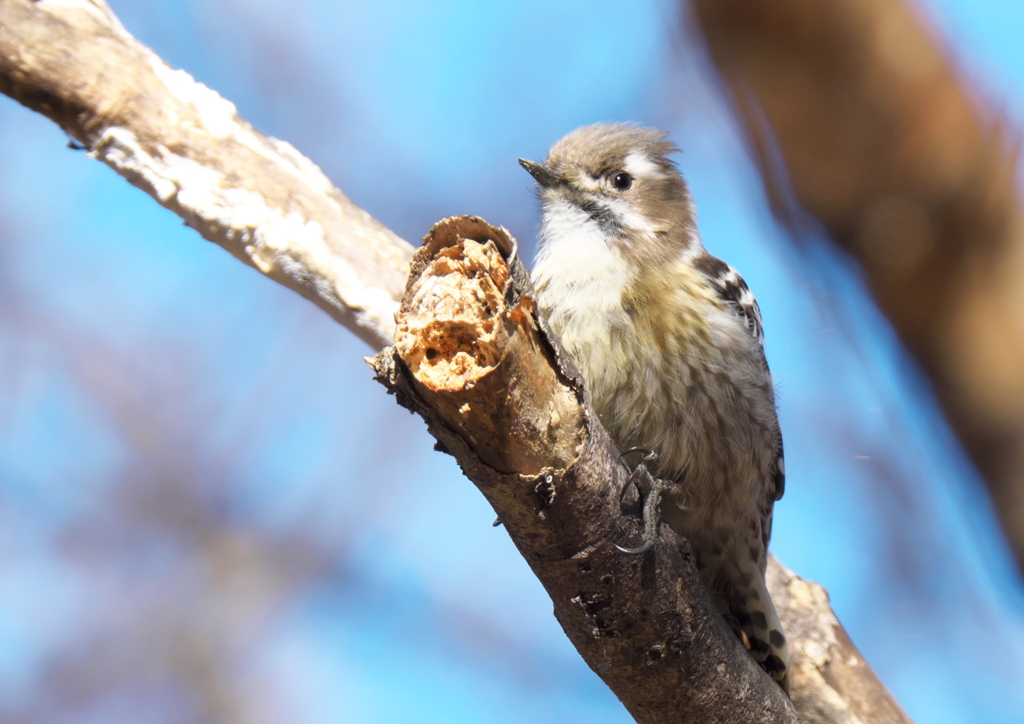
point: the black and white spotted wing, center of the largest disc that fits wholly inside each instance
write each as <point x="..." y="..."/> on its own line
<point x="732" y="289"/>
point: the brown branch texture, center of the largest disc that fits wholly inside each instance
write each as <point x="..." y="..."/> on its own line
<point x="473" y="358"/>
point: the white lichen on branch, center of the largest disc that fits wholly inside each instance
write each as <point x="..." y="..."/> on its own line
<point x="187" y="147"/>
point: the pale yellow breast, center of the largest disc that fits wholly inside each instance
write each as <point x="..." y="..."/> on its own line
<point x="672" y="369"/>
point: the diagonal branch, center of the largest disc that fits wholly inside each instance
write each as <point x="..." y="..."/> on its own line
<point x="187" y="147"/>
<point x="475" y="361"/>
<point x="471" y="358"/>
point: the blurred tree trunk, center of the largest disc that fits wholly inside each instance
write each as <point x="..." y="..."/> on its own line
<point x="857" y="117"/>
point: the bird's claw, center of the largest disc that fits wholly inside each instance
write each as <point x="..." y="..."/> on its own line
<point x="648" y="454"/>
<point x="639" y="471"/>
<point x="655" y="489"/>
<point x="642" y="548"/>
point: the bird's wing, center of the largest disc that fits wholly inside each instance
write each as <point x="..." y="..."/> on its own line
<point x="733" y="290"/>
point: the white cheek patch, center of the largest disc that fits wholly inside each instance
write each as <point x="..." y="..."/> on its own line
<point x="639" y="165"/>
<point x="630" y="218"/>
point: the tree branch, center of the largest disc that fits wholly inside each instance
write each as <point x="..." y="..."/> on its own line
<point x="470" y="357"/>
<point x="831" y="681"/>
<point x="473" y="359"/>
<point x="505" y="402"/>
<point x="880" y="141"/>
<point x="185" y="146"/>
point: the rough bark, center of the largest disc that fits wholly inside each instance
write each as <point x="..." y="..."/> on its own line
<point x="507" y="405"/>
<point x="858" y="118"/>
<point x="831" y="680"/>
<point x="472" y="357"/>
<point x="187" y="147"/>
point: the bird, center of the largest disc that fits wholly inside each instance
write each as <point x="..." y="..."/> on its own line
<point x="670" y="343"/>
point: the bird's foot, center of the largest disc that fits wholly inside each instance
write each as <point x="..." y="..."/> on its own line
<point x="651" y="489"/>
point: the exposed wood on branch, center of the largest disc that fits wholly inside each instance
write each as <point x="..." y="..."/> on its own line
<point x="883" y="143"/>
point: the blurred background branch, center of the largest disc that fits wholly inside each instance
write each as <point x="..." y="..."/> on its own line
<point x="858" y="120"/>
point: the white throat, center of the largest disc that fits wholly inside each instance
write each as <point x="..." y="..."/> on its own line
<point x="577" y="265"/>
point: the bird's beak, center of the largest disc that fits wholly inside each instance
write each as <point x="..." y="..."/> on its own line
<point x="545" y="176"/>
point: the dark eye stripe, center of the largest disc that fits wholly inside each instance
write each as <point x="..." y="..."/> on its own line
<point x="605" y="217"/>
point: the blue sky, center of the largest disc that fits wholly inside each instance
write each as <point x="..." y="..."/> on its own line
<point x="196" y="467"/>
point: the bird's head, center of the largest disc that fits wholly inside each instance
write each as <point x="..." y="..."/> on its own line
<point x="620" y="178"/>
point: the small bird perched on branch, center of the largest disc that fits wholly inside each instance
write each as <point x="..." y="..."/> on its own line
<point x="670" y="342"/>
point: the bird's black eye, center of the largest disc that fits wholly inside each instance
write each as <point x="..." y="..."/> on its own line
<point x="622" y="180"/>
